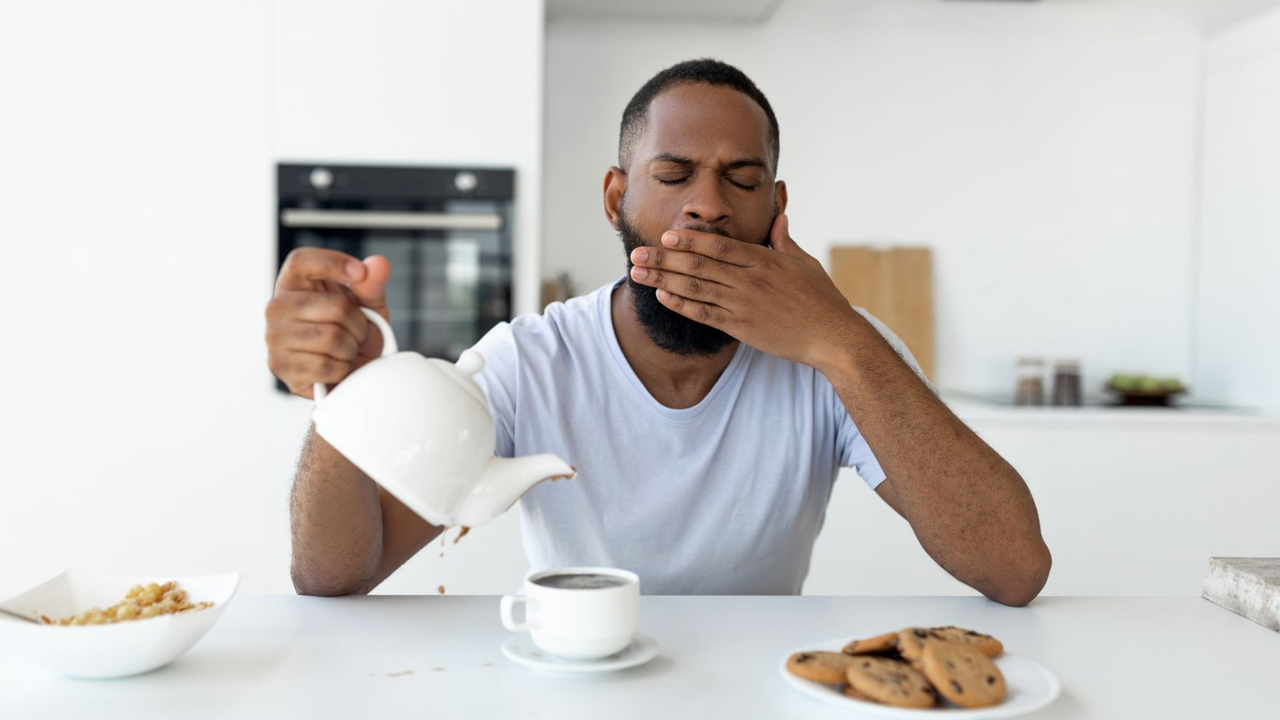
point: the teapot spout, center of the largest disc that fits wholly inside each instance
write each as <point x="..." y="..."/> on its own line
<point x="505" y="481"/>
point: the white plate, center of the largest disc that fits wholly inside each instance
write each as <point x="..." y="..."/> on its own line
<point x="118" y="649"/>
<point x="520" y="648"/>
<point x="1031" y="687"/>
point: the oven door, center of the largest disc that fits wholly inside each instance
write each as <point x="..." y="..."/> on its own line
<point x="450" y="266"/>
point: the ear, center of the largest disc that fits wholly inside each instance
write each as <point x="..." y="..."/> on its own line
<point x="615" y="186"/>
<point x="780" y="196"/>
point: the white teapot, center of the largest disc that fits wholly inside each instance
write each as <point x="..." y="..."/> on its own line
<point x="420" y="427"/>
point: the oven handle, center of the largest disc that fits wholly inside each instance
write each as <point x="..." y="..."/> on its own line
<point x="381" y="220"/>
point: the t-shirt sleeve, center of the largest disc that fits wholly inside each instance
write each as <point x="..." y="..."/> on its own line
<point x="498" y="382"/>
<point x="851" y="446"/>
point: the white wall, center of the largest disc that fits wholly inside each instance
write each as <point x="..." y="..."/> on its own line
<point x="1237" y="331"/>
<point x="1045" y="151"/>
<point x="137" y="206"/>
<point x="140" y="428"/>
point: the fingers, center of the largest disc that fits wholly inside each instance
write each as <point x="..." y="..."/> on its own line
<point x="685" y="263"/>
<point x="780" y="233"/>
<point x="304" y="353"/>
<point x="304" y="267"/>
<point x="718" y="247"/>
<point x="371" y="290"/>
<point x="300" y="371"/>
<point x="313" y="337"/>
<point x="685" y="286"/>
<point x="315" y="330"/>
<point x="704" y="313"/>
<point x="326" y="339"/>
<point x="780" y="237"/>
<point x="319" y="307"/>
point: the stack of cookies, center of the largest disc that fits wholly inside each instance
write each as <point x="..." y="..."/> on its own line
<point x="912" y="668"/>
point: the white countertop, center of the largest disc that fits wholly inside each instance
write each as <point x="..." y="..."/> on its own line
<point x="274" y="656"/>
<point x="978" y="411"/>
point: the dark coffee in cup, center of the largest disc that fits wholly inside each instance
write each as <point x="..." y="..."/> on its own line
<point x="581" y="581"/>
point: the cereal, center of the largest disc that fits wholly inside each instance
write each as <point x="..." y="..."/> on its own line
<point x="141" y="602"/>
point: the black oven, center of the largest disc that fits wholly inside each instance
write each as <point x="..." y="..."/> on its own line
<point x="446" y="231"/>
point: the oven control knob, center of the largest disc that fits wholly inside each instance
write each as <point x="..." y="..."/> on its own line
<point x="465" y="181"/>
<point x="321" y="178"/>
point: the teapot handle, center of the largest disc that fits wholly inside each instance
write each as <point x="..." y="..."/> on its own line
<point x="389" y="346"/>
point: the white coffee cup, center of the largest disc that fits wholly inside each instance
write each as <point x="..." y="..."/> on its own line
<point x="574" y="622"/>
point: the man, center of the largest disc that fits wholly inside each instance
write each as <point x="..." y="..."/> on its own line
<point x="708" y="398"/>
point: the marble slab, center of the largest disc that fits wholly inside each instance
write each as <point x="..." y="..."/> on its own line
<point x="1247" y="586"/>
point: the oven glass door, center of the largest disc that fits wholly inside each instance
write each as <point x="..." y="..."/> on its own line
<point x="448" y="285"/>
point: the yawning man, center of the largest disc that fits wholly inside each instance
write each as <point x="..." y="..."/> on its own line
<point x="708" y="397"/>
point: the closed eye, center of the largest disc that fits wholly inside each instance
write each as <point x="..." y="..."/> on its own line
<point x="740" y="186"/>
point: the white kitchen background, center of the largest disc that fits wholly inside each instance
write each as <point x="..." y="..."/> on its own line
<point x="1096" y="179"/>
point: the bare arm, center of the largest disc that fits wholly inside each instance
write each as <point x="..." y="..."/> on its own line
<point x="348" y="534"/>
<point x="971" y="511"/>
<point x="886" y="493"/>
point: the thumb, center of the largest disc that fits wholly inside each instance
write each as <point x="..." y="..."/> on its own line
<point x="372" y="290"/>
<point x="780" y="235"/>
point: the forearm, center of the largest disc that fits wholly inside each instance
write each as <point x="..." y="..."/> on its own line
<point x="970" y="509"/>
<point x="336" y="522"/>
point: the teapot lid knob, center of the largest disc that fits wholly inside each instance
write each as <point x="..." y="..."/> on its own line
<point x="470" y="363"/>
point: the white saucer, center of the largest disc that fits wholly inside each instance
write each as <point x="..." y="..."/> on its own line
<point x="521" y="649"/>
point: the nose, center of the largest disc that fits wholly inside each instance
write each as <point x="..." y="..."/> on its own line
<point x="706" y="202"/>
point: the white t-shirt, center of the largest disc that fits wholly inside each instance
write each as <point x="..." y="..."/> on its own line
<point x="726" y="497"/>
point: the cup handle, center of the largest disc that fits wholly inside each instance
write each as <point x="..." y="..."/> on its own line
<point x="389" y="347"/>
<point x="509" y="620"/>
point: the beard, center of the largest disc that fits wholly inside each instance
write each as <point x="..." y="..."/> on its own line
<point x="667" y="328"/>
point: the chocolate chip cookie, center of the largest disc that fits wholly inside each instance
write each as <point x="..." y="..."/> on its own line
<point x="911" y="641"/>
<point x="851" y="692"/>
<point x="989" y="646"/>
<point x="963" y="674"/>
<point x="891" y="682"/>
<point x="820" y="666"/>
<point x="886" y="644"/>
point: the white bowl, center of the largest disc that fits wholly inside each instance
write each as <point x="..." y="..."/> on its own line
<point x="114" y="650"/>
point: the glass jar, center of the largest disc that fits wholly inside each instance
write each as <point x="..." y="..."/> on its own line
<point x="1030" y="382"/>
<point x="1066" y="384"/>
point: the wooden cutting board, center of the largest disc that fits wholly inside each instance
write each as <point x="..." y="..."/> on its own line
<point x="895" y="284"/>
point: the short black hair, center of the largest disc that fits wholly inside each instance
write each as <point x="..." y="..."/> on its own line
<point x="706" y="71"/>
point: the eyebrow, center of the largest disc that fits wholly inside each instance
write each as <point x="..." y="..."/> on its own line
<point x="688" y="162"/>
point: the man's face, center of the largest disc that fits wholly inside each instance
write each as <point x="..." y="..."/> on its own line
<point x="702" y="163"/>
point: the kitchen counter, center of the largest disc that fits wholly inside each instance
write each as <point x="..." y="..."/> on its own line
<point x="983" y="412"/>
<point x="1132" y="501"/>
<point x="408" y="656"/>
